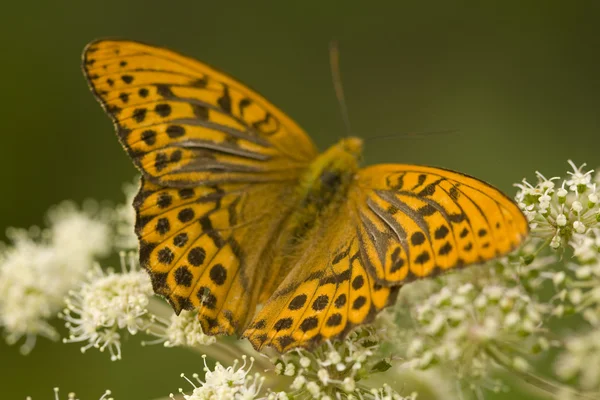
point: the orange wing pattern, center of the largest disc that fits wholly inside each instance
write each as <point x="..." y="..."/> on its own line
<point x="222" y="195"/>
<point x="327" y="293"/>
<point x="203" y="246"/>
<point x="418" y="221"/>
<point x="219" y="166"/>
<point x="400" y="223"/>
<point x="183" y="122"/>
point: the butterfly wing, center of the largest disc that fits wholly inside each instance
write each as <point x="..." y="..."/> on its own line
<point x="400" y="223"/>
<point x="327" y="293"/>
<point x="219" y="166"/>
<point x="184" y="123"/>
<point x="417" y="221"/>
<point x="203" y="246"/>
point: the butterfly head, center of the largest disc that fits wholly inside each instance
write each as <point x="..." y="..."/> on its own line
<point x="343" y="158"/>
<point x="353" y="146"/>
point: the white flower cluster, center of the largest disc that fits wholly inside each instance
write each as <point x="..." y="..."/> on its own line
<point x="578" y="291"/>
<point x="570" y="217"/>
<point x="180" y="330"/>
<point x="109" y="302"/>
<point x="334" y="369"/>
<point x="106" y="303"/>
<point x="124" y="219"/>
<point x="469" y="328"/>
<point x="581" y="360"/>
<point x="231" y="383"/>
<point x="73" y="396"/>
<point x="41" y="266"/>
<point x="559" y="212"/>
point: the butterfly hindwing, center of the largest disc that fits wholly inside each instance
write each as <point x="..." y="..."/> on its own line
<point x="418" y="221"/>
<point x="327" y="293"/>
<point x="203" y="245"/>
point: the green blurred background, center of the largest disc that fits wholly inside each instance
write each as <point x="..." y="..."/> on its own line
<point x="518" y="82"/>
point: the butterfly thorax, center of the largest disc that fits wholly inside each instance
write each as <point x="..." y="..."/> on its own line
<point x="325" y="183"/>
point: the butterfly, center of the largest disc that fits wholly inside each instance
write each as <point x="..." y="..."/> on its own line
<point x="241" y="218"/>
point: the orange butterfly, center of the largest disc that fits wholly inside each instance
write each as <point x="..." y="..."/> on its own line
<point x="237" y="209"/>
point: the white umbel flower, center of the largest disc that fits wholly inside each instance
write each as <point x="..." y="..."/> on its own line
<point x="106" y="303"/>
<point x="124" y="217"/>
<point x="557" y="210"/>
<point x="31" y="291"/>
<point x="333" y="369"/>
<point x="387" y="393"/>
<point x="231" y="383"/>
<point x="180" y="330"/>
<point x="479" y="321"/>
<point x="40" y="267"/>
<point x="75" y="231"/>
<point x="581" y="360"/>
<point x="73" y="396"/>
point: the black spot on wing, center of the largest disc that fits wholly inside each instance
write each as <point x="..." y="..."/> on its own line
<point x="225" y="100"/>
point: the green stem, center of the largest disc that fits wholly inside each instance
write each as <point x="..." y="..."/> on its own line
<point x="551" y="388"/>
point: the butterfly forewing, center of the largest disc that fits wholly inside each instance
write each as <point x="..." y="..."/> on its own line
<point x="185" y="123"/>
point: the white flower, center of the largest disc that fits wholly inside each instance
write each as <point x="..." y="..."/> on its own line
<point x="579" y="227"/>
<point x="231" y="383"/>
<point x="305" y="362"/>
<point x="557" y="214"/>
<point x="298" y="382"/>
<point x="323" y="376"/>
<point x="586" y="247"/>
<point x="31" y="291"/>
<point x="124" y="217"/>
<point x="333" y="369"/>
<point x="349" y="384"/>
<point x="181" y="330"/>
<point x="580" y="181"/>
<point x="492" y="317"/>
<point x="72" y="396"/>
<point x="77" y="232"/>
<point x="581" y="360"/>
<point x="387" y="393"/>
<point x="34" y="278"/>
<point x="576" y="207"/>
<point x="42" y="266"/>
<point x="562" y="194"/>
<point x="290" y="370"/>
<point x="106" y="303"/>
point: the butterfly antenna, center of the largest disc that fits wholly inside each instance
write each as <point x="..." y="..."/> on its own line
<point x="414" y="135"/>
<point x="334" y="62"/>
